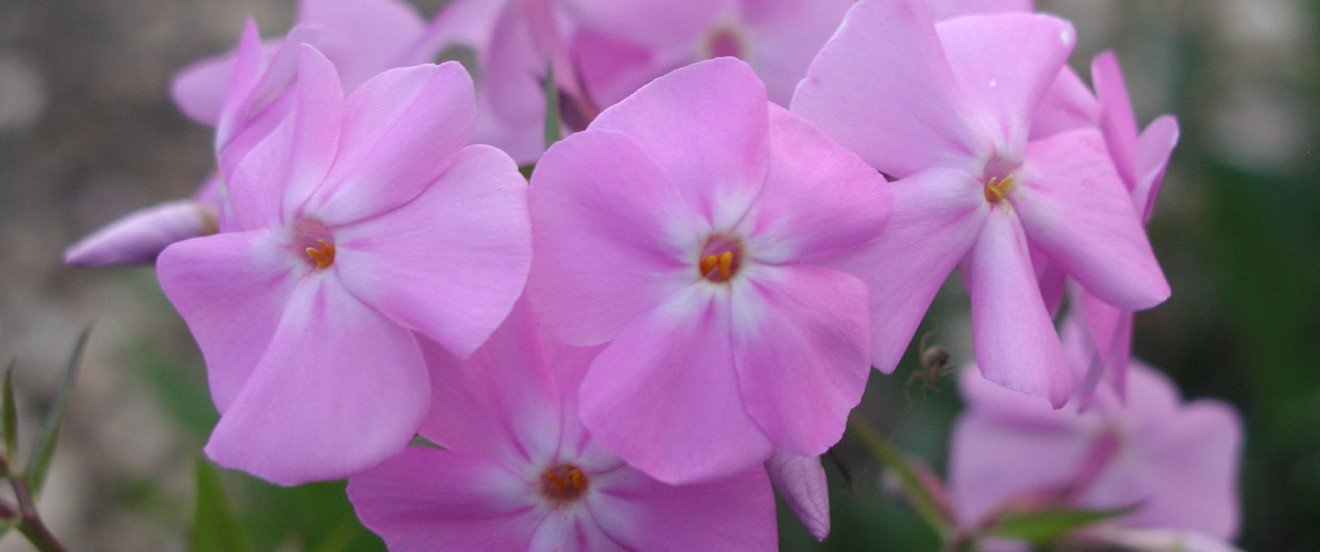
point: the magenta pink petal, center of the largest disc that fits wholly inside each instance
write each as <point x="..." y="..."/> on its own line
<point x="785" y="35"/>
<point x="655" y="23"/>
<point x="401" y="131"/>
<point x="613" y="236"/>
<point x="948" y="9"/>
<point x="1111" y="332"/>
<point x="883" y="88"/>
<point x="450" y="263"/>
<point x="232" y="290"/>
<point x="801" y="342"/>
<point x="1008" y="81"/>
<point x="511" y="99"/>
<point x="800" y="482"/>
<point x="719" y="168"/>
<point x="1075" y="209"/>
<point x="1154" y="148"/>
<point x="818" y="201"/>
<point x="427" y="500"/>
<point x="937" y="216"/>
<point x="1067" y="105"/>
<point x="339" y="389"/>
<point x="363" y="36"/>
<point x="671" y="407"/>
<point x="257" y="97"/>
<point x="1117" y="121"/>
<point x="733" y="513"/>
<point x="1012" y="333"/>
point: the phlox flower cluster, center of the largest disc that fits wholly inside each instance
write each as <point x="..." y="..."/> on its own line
<point x="754" y="206"/>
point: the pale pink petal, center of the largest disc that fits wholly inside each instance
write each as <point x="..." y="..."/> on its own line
<point x="785" y="35"/>
<point x="1012" y="333"/>
<point x="450" y="263"/>
<point x="199" y="89"/>
<point x="231" y="289"/>
<point x="1053" y="284"/>
<point x="1007" y="82"/>
<point x="1110" y="330"/>
<point x="363" y="37"/>
<point x="611" y="67"/>
<point x="1076" y="210"/>
<point x="257" y="100"/>
<point x="570" y="530"/>
<point x="882" y="87"/>
<point x="705" y="126"/>
<point x="613" y="236"/>
<point x="502" y="401"/>
<point x="1154" y="148"/>
<point x="1118" y="123"/>
<point x="339" y="389"/>
<point x="1067" y="105"/>
<point x="447" y="501"/>
<point x="732" y="513"/>
<point x="818" y="201"/>
<point x="801" y="343"/>
<point x="656" y="23"/>
<point x="800" y="482"/>
<point x="138" y="237"/>
<point x="461" y="22"/>
<point x="664" y="396"/>
<point x="937" y="216"/>
<point x="401" y="131"/>
<point x="511" y="95"/>
<point x="949" y="9"/>
<point x="249" y="60"/>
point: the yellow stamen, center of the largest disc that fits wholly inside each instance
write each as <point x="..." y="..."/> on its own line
<point x="324" y="256"/>
<point x="997" y="189"/>
<point x="723" y="262"/>
<point x="563" y="483"/>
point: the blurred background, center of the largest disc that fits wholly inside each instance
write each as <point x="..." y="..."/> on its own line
<point x="87" y="134"/>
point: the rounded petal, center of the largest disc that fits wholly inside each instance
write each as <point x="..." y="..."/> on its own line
<point x="800" y="482"/>
<point x="705" y="126"/>
<point x="363" y="37"/>
<point x="402" y="130"/>
<point x="1006" y="82"/>
<point x="1118" y="123"/>
<point x="447" y="501"/>
<point x="656" y="23"/>
<point x="1067" y="105"/>
<point x="801" y="344"/>
<point x="949" y="9"/>
<point x="450" y="263"/>
<point x="732" y="513"/>
<point x="339" y="390"/>
<point x="613" y="236"/>
<point x="199" y="89"/>
<point x="1154" y="148"/>
<point x="139" y="237"/>
<point x="819" y="200"/>
<point x="785" y="35"/>
<point x="232" y="289"/>
<point x="1076" y="210"/>
<point x="937" y="216"/>
<point x="664" y="396"/>
<point x="883" y="88"/>
<point x="1012" y="333"/>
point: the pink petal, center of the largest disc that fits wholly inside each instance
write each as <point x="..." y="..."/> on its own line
<point x="800" y="482"/>
<point x="1111" y="331"/>
<point x="937" y="216"/>
<point x="1154" y="148"/>
<point x="140" y="236"/>
<point x="511" y="95"/>
<point x="450" y="263"/>
<point x="801" y="343"/>
<point x="1012" y="333"/>
<point x="427" y="500"/>
<point x="732" y="513"/>
<point x="664" y="396"/>
<point x="1075" y="209"/>
<point x="705" y="126"/>
<point x="882" y="87"/>
<point x="1008" y="81"/>
<point x="613" y="236"/>
<point x="502" y="401"/>
<point x="199" y="89"/>
<point x="570" y="530"/>
<point x="818" y="201"/>
<point x="363" y="37"/>
<point x="340" y="389"/>
<point x="256" y="99"/>
<point x="1117" y="121"/>
<point x="949" y="9"/>
<point x="656" y="23"/>
<point x="1067" y="105"/>
<point x="785" y="35"/>
<point x="232" y="290"/>
<point x="402" y="130"/>
<point x="278" y="174"/>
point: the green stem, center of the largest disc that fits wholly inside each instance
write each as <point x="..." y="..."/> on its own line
<point x="28" y="520"/>
<point x="917" y="493"/>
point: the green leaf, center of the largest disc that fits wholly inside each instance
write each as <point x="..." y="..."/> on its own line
<point x="10" y="414"/>
<point x="553" y="128"/>
<point x="215" y="527"/>
<point x="1046" y="526"/>
<point x="43" y="450"/>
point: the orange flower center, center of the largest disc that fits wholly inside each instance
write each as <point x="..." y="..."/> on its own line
<point x="563" y="483"/>
<point x="323" y="254"/>
<point x="998" y="188"/>
<point x="720" y="258"/>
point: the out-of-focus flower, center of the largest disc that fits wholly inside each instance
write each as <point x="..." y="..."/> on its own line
<point x="520" y="473"/>
<point x="800" y="481"/>
<point x="948" y="108"/>
<point x="1178" y="461"/>
<point x="689" y="224"/>
<point x="359" y="221"/>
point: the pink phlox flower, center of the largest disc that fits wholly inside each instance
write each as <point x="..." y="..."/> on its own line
<point x="947" y="108"/>
<point x="518" y="472"/>
<point x="690" y="225"/>
<point x="949" y="9"/>
<point x="800" y="482"/>
<point x="1179" y="461"/>
<point x="359" y="221"/>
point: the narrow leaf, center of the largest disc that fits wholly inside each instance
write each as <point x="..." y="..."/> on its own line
<point x="10" y="414"/>
<point x="553" y="128"/>
<point x="43" y="450"/>
<point x="1046" y="526"/>
<point x="215" y="527"/>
